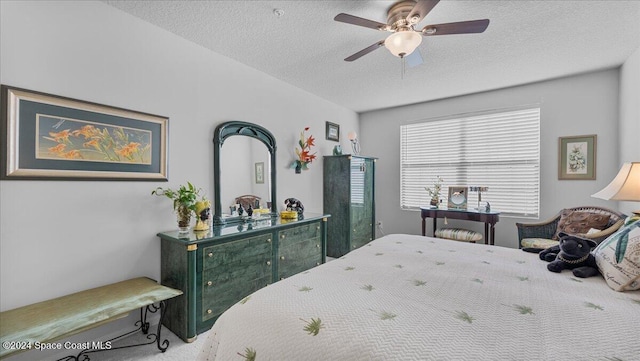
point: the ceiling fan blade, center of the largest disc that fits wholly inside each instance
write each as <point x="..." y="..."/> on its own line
<point x="421" y="9"/>
<point x="414" y="59"/>
<point x="350" y="19"/>
<point x="365" y="51"/>
<point x="462" y="27"/>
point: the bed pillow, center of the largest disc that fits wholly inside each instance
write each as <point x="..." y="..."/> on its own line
<point x="618" y="257"/>
<point x="576" y="222"/>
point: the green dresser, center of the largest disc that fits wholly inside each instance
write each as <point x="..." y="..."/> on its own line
<point x="216" y="269"/>
<point x="349" y="196"/>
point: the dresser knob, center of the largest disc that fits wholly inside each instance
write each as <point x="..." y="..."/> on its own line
<point x="281" y="278"/>
<point x="209" y="311"/>
<point x="269" y="240"/>
<point x="268" y="263"/>
<point x="317" y="246"/>
<point x="354" y="229"/>
<point x="282" y="258"/>
<point x="317" y="227"/>
<point x="354" y="246"/>
<point x="209" y="283"/>
<point x="210" y="254"/>
<point x="282" y="236"/>
<point x="317" y="263"/>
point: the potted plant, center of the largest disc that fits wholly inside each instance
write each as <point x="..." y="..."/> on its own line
<point x="434" y="192"/>
<point x="186" y="201"/>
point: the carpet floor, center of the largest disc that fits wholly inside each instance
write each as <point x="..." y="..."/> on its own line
<point x="178" y="350"/>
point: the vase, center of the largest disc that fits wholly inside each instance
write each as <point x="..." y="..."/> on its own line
<point x="183" y="214"/>
<point x="434" y="202"/>
<point x="298" y="168"/>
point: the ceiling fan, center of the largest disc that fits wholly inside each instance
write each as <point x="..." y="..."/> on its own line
<point x="404" y="39"/>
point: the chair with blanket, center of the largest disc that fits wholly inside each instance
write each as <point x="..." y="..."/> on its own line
<point x="596" y="223"/>
<point x="249" y="200"/>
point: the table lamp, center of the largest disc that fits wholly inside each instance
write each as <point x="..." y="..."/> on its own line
<point x="625" y="186"/>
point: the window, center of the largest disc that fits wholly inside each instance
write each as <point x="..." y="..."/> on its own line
<point x="499" y="150"/>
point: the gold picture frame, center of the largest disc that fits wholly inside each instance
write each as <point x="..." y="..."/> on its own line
<point x="50" y="137"/>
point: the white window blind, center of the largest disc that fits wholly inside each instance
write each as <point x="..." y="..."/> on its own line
<point x="357" y="181"/>
<point x="499" y="150"/>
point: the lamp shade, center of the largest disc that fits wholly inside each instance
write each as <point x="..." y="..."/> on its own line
<point x="625" y="186"/>
<point x="403" y="43"/>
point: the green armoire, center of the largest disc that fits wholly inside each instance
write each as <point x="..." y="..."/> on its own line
<point x="349" y="196"/>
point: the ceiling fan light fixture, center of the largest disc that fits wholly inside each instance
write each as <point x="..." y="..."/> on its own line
<point x="403" y="43"/>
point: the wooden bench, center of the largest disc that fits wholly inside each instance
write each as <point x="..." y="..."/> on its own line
<point x="39" y="325"/>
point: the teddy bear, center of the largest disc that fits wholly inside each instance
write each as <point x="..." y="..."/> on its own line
<point x="573" y="252"/>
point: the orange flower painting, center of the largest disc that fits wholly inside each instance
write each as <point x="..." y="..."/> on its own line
<point x="70" y="139"/>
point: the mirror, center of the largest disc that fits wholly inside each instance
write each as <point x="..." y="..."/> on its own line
<point x="246" y="166"/>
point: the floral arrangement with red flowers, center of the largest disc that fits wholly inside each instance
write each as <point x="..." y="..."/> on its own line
<point x="304" y="153"/>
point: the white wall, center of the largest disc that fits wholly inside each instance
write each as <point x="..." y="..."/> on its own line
<point x="57" y="237"/>
<point x="629" y="147"/>
<point x="577" y="105"/>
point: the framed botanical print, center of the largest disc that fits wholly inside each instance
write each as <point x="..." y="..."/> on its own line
<point x="259" y="172"/>
<point x="577" y="157"/>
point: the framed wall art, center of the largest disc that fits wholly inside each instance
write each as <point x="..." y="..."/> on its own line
<point x="332" y="131"/>
<point x="259" y="172"/>
<point x="51" y="137"/>
<point x="577" y="157"/>
<point x="458" y="197"/>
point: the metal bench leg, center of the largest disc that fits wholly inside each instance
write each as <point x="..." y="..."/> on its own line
<point x="142" y="325"/>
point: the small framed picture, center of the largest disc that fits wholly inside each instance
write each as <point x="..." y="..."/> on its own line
<point x="577" y="157"/>
<point x="458" y="197"/>
<point x="333" y="132"/>
<point x="260" y="173"/>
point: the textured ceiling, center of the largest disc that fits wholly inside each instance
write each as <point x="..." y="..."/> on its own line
<point x="526" y="41"/>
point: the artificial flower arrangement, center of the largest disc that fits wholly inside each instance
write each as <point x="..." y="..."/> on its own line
<point x="435" y="192"/>
<point x="186" y="203"/>
<point x="304" y="153"/>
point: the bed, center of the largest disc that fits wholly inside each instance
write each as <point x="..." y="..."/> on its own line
<point x="407" y="297"/>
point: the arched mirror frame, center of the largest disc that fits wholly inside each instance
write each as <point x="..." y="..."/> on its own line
<point x="234" y="128"/>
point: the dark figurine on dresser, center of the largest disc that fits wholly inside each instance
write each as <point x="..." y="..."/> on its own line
<point x="292" y="204"/>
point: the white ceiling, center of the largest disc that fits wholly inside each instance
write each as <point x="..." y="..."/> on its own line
<point x="526" y="41"/>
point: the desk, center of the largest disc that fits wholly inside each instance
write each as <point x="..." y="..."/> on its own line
<point x="488" y="218"/>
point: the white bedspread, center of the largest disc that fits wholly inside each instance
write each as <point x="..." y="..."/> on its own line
<point x="405" y="297"/>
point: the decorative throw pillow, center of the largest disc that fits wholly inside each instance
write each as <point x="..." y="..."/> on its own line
<point x="576" y="222"/>
<point x="618" y="257"/>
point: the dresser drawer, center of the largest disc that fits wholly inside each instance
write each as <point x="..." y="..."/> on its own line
<point x="237" y="252"/>
<point x="299" y="249"/>
<point x="291" y="266"/>
<point x="217" y="298"/>
<point x="299" y="233"/>
<point x="248" y="269"/>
